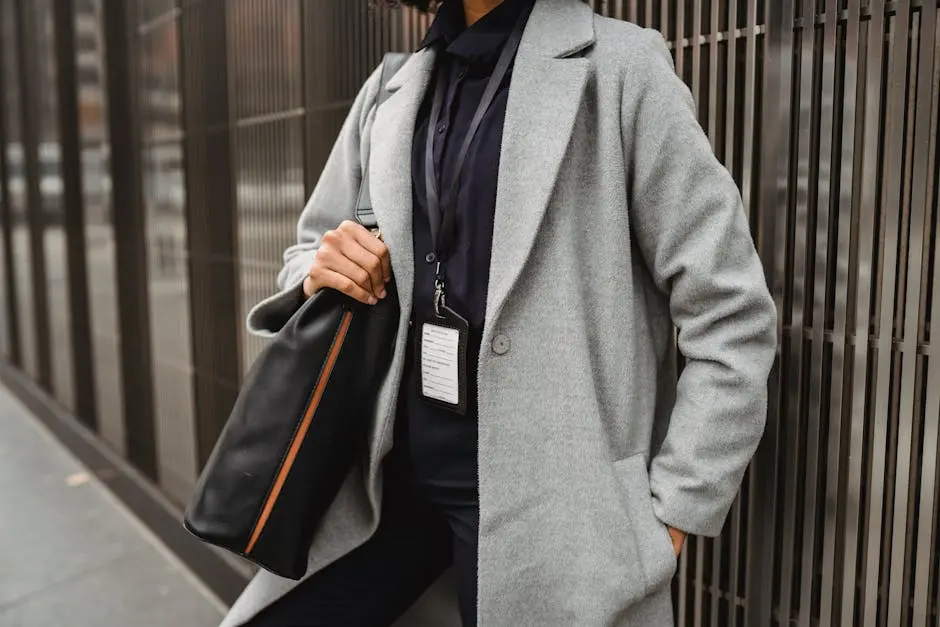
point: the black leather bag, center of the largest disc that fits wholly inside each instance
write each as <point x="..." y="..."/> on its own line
<point x="299" y="424"/>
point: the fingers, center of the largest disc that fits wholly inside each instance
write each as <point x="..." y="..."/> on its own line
<point x="310" y="287"/>
<point x="343" y="284"/>
<point x="678" y="539"/>
<point x="338" y="262"/>
<point x="371" y="243"/>
<point x="365" y="261"/>
<point x="352" y="261"/>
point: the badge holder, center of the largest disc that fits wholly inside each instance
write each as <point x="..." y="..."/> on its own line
<point x="441" y="342"/>
<point x="441" y="356"/>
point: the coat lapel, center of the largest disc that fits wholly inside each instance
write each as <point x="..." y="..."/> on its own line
<point x="544" y="99"/>
<point x="390" y="166"/>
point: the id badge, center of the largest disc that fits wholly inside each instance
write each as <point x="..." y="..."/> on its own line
<point x="441" y="356"/>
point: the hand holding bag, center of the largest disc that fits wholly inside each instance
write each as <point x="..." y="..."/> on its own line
<point x="300" y="422"/>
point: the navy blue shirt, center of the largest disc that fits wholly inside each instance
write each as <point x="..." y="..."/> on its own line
<point x="443" y="444"/>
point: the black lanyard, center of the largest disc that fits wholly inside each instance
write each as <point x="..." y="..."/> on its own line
<point x="443" y="216"/>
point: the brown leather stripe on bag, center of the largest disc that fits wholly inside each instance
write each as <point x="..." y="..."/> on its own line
<point x="301" y="431"/>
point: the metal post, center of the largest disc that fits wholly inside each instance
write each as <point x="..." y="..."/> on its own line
<point x="74" y="213"/>
<point x="210" y="217"/>
<point x="130" y="237"/>
<point x="6" y="230"/>
<point x="35" y="211"/>
<point x="771" y="227"/>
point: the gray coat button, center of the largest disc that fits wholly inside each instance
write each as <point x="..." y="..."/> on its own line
<point x="501" y="344"/>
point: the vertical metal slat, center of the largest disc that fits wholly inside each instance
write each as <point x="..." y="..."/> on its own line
<point x="822" y="188"/>
<point x="6" y="225"/>
<point x="775" y="132"/>
<point x="927" y="520"/>
<point x="891" y="203"/>
<point x="130" y="239"/>
<point x="924" y="142"/>
<point x="35" y="212"/>
<point x="801" y="291"/>
<point x="83" y="366"/>
<point x="695" y="42"/>
<point x="714" y="29"/>
<point x="846" y="200"/>
<point x="865" y="269"/>
<point x="681" y="44"/>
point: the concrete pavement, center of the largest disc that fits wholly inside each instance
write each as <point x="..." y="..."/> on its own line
<point x="70" y="554"/>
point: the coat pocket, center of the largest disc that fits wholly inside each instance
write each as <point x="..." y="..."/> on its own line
<point x="653" y="543"/>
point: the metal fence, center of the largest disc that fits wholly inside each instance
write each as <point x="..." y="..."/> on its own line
<point x="156" y="154"/>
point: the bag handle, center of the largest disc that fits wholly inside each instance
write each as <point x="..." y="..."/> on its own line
<point x="392" y="62"/>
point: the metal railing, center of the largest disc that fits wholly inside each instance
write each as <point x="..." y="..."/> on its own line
<point x="824" y="111"/>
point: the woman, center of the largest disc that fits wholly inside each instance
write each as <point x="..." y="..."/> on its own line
<point x="531" y="432"/>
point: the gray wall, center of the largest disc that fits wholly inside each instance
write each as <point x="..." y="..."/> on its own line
<point x="825" y="111"/>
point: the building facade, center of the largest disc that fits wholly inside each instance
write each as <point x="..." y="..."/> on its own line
<point x="155" y="155"/>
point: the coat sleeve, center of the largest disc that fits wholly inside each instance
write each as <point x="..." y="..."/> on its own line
<point x="690" y="226"/>
<point x="333" y="200"/>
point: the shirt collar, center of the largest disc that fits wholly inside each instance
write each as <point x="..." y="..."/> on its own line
<point x="481" y="41"/>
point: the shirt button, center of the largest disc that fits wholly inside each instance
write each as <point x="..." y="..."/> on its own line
<point x="462" y="73"/>
<point x="430" y="257"/>
<point x="501" y="344"/>
<point x="442" y="128"/>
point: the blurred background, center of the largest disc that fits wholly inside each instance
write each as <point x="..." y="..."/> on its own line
<point x="155" y="156"/>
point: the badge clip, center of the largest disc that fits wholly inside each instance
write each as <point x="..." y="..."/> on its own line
<point x="440" y="300"/>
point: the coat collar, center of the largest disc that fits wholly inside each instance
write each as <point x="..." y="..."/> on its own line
<point x="544" y="98"/>
<point x="559" y="28"/>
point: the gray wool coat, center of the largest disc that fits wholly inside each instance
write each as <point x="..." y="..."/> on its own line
<point x="617" y="233"/>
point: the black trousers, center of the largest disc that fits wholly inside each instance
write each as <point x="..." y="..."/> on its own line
<point x="422" y="532"/>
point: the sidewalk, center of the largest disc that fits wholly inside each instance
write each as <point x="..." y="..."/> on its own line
<point x="70" y="554"/>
